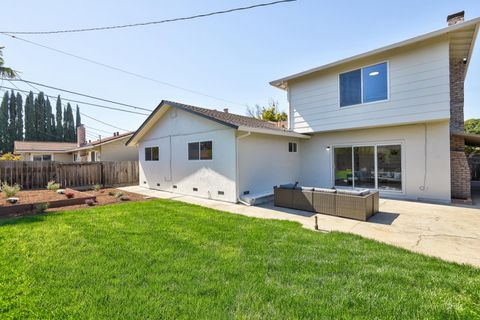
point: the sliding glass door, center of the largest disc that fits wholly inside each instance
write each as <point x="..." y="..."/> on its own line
<point x="371" y="166"/>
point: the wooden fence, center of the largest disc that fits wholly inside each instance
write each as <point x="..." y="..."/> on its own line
<point x="36" y="174"/>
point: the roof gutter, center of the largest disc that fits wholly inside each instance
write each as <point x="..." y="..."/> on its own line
<point x="284" y="133"/>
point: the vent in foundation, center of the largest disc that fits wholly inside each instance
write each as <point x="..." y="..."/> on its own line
<point x="221" y="193"/>
<point x="174" y="187"/>
<point x="195" y="189"/>
<point x="246" y="192"/>
<point x="144" y="182"/>
<point x="158" y="184"/>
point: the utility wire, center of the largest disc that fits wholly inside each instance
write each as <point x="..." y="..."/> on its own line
<point x="80" y="94"/>
<point x="152" y="22"/>
<point x="83" y="102"/>
<point x="98" y="130"/>
<point x="123" y="70"/>
<point x="100" y="121"/>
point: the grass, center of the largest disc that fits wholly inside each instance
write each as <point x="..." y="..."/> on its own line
<point x="167" y="259"/>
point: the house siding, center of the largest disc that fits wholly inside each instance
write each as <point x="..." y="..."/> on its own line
<point x="425" y="157"/>
<point x="418" y="92"/>
<point x="171" y="134"/>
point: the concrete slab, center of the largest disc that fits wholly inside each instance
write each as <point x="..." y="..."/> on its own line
<point x="445" y="231"/>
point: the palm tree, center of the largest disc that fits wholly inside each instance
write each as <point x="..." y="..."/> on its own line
<point x="5" y="71"/>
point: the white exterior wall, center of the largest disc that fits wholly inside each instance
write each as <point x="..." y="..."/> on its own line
<point x="317" y="161"/>
<point x="419" y="91"/>
<point x="175" y="130"/>
<point x="264" y="161"/>
<point x="117" y="151"/>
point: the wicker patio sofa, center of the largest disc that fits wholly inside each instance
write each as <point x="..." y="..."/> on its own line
<point x="353" y="204"/>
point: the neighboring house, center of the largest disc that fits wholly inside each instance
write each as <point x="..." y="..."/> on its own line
<point x="106" y="149"/>
<point x="390" y="119"/>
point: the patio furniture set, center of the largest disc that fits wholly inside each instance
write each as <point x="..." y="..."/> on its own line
<point x="353" y="204"/>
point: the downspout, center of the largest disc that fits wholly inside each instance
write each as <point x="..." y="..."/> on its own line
<point x="237" y="182"/>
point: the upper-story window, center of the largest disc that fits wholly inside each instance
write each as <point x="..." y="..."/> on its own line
<point x="364" y="85"/>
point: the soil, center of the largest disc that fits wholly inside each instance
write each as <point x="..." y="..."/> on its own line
<point x="103" y="197"/>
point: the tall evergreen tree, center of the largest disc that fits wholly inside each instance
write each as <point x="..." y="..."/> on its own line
<point x="4" y="123"/>
<point x="59" y="131"/>
<point x="19" y="119"/>
<point x="49" y="127"/>
<point x="78" y="121"/>
<point x="29" y="117"/>
<point x="40" y="117"/>
<point x="70" y="124"/>
<point x="12" y="121"/>
<point x="65" y="125"/>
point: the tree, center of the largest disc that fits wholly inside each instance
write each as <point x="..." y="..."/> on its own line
<point x="29" y="117"/>
<point x="49" y="126"/>
<point x="78" y="119"/>
<point x="39" y="107"/>
<point x="5" y="72"/>
<point x="270" y="113"/>
<point x="59" y="131"/>
<point x="19" y="124"/>
<point x="472" y="126"/>
<point x="70" y="129"/>
<point x="4" y="123"/>
<point x="12" y="121"/>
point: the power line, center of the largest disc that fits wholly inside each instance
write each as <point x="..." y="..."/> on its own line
<point x="98" y="130"/>
<point x="81" y="94"/>
<point x="123" y="70"/>
<point x="100" y="121"/>
<point x="152" y="22"/>
<point x="83" y="102"/>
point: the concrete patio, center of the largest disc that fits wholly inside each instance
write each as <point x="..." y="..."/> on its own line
<point x="445" y="231"/>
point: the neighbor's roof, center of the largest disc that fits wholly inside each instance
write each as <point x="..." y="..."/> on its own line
<point x="228" y="119"/>
<point x="463" y="34"/>
<point x="42" y="146"/>
<point x="103" y="141"/>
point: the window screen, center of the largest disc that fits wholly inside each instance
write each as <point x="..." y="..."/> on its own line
<point x="350" y="88"/>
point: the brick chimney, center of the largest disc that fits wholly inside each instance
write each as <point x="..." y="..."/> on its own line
<point x="81" y="139"/>
<point x="225" y="110"/>
<point x="455" y="18"/>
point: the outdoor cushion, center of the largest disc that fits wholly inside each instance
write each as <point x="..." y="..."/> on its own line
<point x="325" y="190"/>
<point x="287" y="186"/>
<point x="307" y="188"/>
<point x="363" y="192"/>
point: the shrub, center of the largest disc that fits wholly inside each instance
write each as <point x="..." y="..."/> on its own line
<point x="9" y="157"/>
<point x="52" y="186"/>
<point x="89" y="202"/>
<point x="97" y="187"/>
<point x="69" y="195"/>
<point x="41" y="207"/>
<point x="10" y="191"/>
<point x="111" y="193"/>
<point x="118" y="195"/>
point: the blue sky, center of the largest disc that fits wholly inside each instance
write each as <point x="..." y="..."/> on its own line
<point x="232" y="57"/>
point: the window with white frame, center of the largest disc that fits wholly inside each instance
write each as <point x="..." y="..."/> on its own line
<point x="364" y="85"/>
<point x="200" y="150"/>
<point x="292" y="147"/>
<point x="42" y="157"/>
<point x="370" y="166"/>
<point x="151" y="154"/>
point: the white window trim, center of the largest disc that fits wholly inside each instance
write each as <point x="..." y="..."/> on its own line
<point x="151" y="153"/>
<point x="42" y="154"/>
<point x="375" y="145"/>
<point x="200" y="141"/>
<point x="361" y="86"/>
<point x="296" y="148"/>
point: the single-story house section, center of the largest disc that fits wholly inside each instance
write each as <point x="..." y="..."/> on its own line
<point x="104" y="149"/>
<point x="214" y="154"/>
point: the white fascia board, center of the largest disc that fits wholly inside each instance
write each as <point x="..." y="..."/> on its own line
<point x="274" y="132"/>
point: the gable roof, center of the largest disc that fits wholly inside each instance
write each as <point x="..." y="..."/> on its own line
<point x="103" y="141"/>
<point x="228" y="119"/>
<point x="464" y="34"/>
<point x="42" y="146"/>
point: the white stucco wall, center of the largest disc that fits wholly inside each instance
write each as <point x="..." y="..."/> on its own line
<point x="118" y="151"/>
<point x="317" y="161"/>
<point x="173" y="132"/>
<point x="264" y="161"/>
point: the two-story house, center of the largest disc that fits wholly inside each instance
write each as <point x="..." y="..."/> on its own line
<point x="390" y="119"/>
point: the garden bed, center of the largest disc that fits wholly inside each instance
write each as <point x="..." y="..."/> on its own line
<point x="30" y="199"/>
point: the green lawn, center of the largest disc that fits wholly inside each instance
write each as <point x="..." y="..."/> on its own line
<point x="167" y="259"/>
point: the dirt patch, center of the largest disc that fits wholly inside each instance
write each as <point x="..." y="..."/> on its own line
<point x="36" y="196"/>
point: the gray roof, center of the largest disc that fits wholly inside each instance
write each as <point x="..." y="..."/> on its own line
<point x="227" y="118"/>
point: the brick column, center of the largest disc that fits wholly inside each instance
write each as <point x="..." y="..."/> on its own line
<point x="459" y="169"/>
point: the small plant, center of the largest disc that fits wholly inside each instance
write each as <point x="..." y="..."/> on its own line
<point x="69" y="195"/>
<point x="10" y="191"/>
<point x="97" y="187"/>
<point x="111" y="193"/>
<point x="41" y="207"/>
<point x="118" y="195"/>
<point x="89" y="202"/>
<point x="52" y="186"/>
<point x="12" y="200"/>
<point x="124" y="198"/>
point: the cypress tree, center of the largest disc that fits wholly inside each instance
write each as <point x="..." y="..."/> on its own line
<point x="70" y="124"/>
<point x="48" y="121"/>
<point x="40" y="117"/>
<point x="4" y="123"/>
<point x="65" y="125"/>
<point x="59" y="130"/>
<point x="19" y="124"/>
<point x="12" y="122"/>
<point x="29" y="117"/>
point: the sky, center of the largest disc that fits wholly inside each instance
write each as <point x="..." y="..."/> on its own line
<point x="230" y="59"/>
